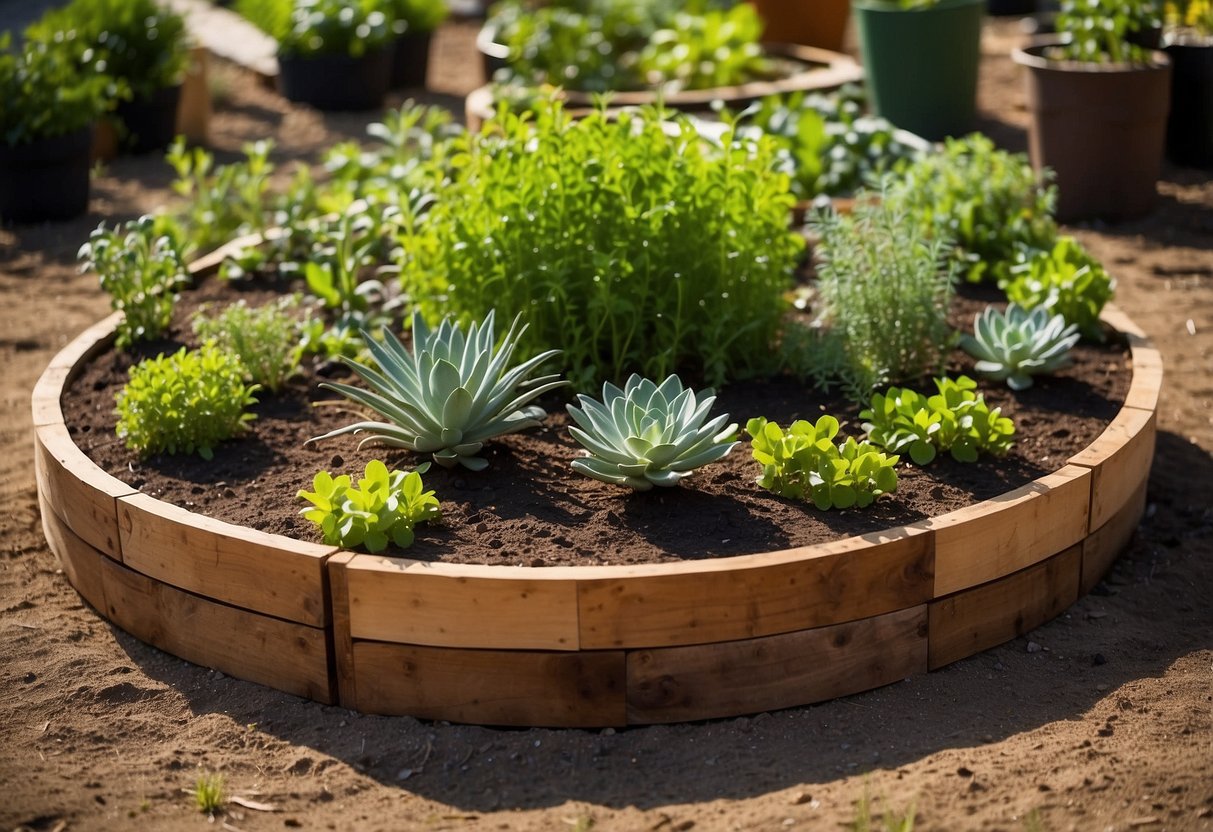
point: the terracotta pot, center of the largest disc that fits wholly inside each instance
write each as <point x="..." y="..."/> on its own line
<point x="1100" y="128"/>
<point x="921" y="64"/>
<point x="45" y="180"/>
<point x="1190" y="125"/>
<point x="337" y="82"/>
<point x="810" y="22"/>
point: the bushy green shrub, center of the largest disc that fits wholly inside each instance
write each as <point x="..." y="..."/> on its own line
<point x="384" y="507"/>
<point x="884" y="290"/>
<point x="266" y="339"/>
<point x="419" y="15"/>
<point x="323" y="27"/>
<point x="47" y="94"/>
<point x="987" y="200"/>
<point x="184" y="403"/>
<point x="1066" y="281"/>
<point x="626" y="247"/>
<point x="1106" y="31"/>
<point x="711" y="49"/>
<point x="140" y="265"/>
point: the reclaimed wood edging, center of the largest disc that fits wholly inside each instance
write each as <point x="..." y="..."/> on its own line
<point x="597" y="645"/>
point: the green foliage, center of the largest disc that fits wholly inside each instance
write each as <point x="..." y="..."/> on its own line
<point x="884" y="290"/>
<point x="140" y="42"/>
<point x="1189" y="18"/>
<point x="701" y="51"/>
<point x="270" y="16"/>
<point x="648" y="434"/>
<point x="449" y="393"/>
<point x="1014" y="345"/>
<point x="419" y="15"/>
<point x="222" y="202"/>
<point x="804" y="463"/>
<point x="383" y="507"/>
<point x="629" y="248"/>
<point x="46" y="94"/>
<point x="1104" y="31"/>
<point x="209" y="793"/>
<point x="140" y="265"/>
<point x="891" y="820"/>
<point x="266" y="339"/>
<point x="987" y="200"/>
<point x="331" y="27"/>
<point x="955" y="419"/>
<point x="833" y="147"/>
<point x="186" y="402"/>
<point x="1066" y="281"/>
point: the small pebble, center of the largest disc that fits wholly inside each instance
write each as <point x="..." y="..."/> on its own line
<point x="1033" y="647"/>
<point x="1098" y="659"/>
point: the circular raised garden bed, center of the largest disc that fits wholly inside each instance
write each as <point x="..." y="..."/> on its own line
<point x="822" y="70"/>
<point x="590" y="646"/>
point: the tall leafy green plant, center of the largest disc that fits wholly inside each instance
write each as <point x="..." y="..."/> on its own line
<point x="45" y="94"/>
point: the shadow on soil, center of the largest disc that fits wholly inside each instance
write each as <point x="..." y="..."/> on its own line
<point x="1108" y="639"/>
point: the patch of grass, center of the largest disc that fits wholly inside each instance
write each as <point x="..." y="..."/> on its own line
<point x="889" y="820"/>
<point x="209" y="793"/>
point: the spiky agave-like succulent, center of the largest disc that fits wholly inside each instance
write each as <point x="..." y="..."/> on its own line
<point x="648" y="434"/>
<point x="449" y="393"/>
<point x="1017" y="344"/>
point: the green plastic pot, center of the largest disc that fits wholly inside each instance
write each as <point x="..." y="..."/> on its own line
<point x="921" y="64"/>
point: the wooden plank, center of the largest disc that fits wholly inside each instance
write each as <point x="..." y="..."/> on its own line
<point x="343" y="641"/>
<point x="997" y="537"/>
<point x="1115" y="317"/>
<point x="45" y="398"/>
<point x="741" y="677"/>
<point x="491" y="687"/>
<point x="76" y="490"/>
<point x="281" y="654"/>
<point x="1109" y="540"/>
<point x="261" y="572"/>
<point x="415" y="602"/>
<point x="1147" y="376"/>
<point x="81" y="562"/>
<point x="977" y="619"/>
<point x="728" y="599"/>
<point x="1120" y="461"/>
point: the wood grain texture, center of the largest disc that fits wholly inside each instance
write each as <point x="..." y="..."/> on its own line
<point x="492" y="687"/>
<point x="729" y="599"/>
<point x="343" y="641"/>
<point x="81" y="562"/>
<point x="1119" y="461"/>
<point x="415" y="602"/>
<point x="716" y="680"/>
<point x="261" y="572"/>
<point x="1147" y="375"/>
<point x="283" y="655"/>
<point x="76" y="490"/>
<point x="977" y="619"/>
<point x="996" y="537"/>
<point x="1106" y="543"/>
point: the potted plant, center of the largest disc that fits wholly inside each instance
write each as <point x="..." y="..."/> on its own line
<point x="332" y="54"/>
<point x="139" y="42"/>
<point x="822" y="23"/>
<point x="415" y="23"/>
<point x="45" y="132"/>
<point x="921" y="59"/>
<point x="1099" y="106"/>
<point x="1189" y="45"/>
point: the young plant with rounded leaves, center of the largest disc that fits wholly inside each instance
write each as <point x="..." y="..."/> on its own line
<point x="267" y="339"/>
<point x="1066" y="281"/>
<point x="449" y="393"/>
<point x="1016" y="344"/>
<point x="186" y="402"/>
<point x="384" y="507"/>
<point x="804" y="463"/>
<point x="648" y="434"/>
<point x="956" y="419"/>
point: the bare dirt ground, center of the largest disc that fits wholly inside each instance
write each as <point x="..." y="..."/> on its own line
<point x="1109" y="725"/>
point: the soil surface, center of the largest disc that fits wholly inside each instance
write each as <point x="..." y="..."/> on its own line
<point x="1101" y="719"/>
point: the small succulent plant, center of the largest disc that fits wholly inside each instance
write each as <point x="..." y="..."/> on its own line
<point x="648" y="434"/>
<point x="1017" y="344"/>
<point x="449" y="393"/>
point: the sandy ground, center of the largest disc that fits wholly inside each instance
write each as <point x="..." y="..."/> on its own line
<point x="1109" y="725"/>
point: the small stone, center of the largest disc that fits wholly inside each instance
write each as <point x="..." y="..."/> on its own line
<point x="404" y="774"/>
<point x="801" y="798"/>
<point x="1033" y="647"/>
<point x="1101" y="688"/>
<point x="608" y="732"/>
<point x="337" y="461"/>
<point x="964" y="772"/>
<point x="1000" y="666"/>
<point x="1098" y="659"/>
<point x="29" y="677"/>
<point x="538" y="562"/>
<point x="481" y="528"/>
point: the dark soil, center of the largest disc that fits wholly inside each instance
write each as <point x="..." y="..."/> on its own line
<point x="530" y="508"/>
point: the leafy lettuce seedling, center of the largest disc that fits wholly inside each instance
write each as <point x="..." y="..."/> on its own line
<point x="956" y="420"/>
<point x="803" y="463"/>
<point x="384" y="506"/>
<point x="1066" y="281"/>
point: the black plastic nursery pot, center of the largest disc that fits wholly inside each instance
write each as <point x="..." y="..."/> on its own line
<point x="921" y="64"/>
<point x="45" y="180"/>
<point x="149" y="122"/>
<point x="337" y="82"/>
<point x="1010" y="8"/>
<point x="1190" y="124"/>
<point x="1100" y="128"/>
<point x="411" y="59"/>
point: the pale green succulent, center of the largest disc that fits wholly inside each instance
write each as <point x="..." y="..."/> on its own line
<point x="648" y="434"/>
<point x="449" y="393"/>
<point x="1017" y="344"/>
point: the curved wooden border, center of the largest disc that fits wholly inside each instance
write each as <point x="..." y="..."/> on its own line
<point x="825" y="70"/>
<point x="591" y="646"/>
